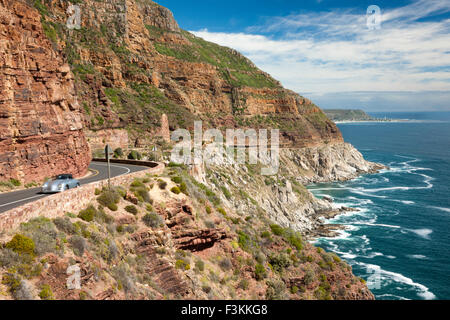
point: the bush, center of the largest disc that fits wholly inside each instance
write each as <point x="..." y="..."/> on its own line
<point x="88" y="214"/>
<point x="225" y="264"/>
<point x="137" y="183"/>
<point x="15" y="182"/>
<point x="46" y="292"/>
<point x="183" y="265"/>
<point x="109" y="199"/>
<point x="275" y="290"/>
<point x="183" y="188"/>
<point x="175" y="190"/>
<point x="295" y="239"/>
<point x="79" y="245"/>
<point x="64" y="225"/>
<point x="142" y="194"/>
<point x="260" y="272"/>
<point x="199" y="265"/>
<point x="132" y="209"/>
<point x="208" y="209"/>
<point x="210" y="224"/>
<point x="44" y="235"/>
<point x="222" y="211"/>
<point x="21" y="245"/>
<point x="118" y="153"/>
<point x="279" y="262"/>
<point x="276" y="229"/>
<point x="243" y="284"/>
<point x="294" y="289"/>
<point x="153" y="220"/>
<point x="177" y="180"/>
<point x="162" y="184"/>
<point x="24" y="291"/>
<point x="226" y="193"/>
<point x="97" y="191"/>
<point x="134" y="155"/>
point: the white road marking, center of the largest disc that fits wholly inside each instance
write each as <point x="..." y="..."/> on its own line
<point x="116" y="166"/>
<point x="21" y="200"/>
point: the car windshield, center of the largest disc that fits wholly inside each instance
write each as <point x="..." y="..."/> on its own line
<point x="63" y="177"/>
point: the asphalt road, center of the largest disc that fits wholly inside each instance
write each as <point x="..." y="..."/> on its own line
<point x="15" y="199"/>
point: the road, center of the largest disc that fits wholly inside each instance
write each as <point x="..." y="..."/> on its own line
<point x="15" y="199"/>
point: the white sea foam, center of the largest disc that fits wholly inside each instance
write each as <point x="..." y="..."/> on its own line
<point x="378" y="225"/>
<point x="424" y="233"/>
<point x="417" y="256"/>
<point x="440" y="208"/>
<point x="389" y="276"/>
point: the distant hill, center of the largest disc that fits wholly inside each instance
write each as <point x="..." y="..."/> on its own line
<point x="348" y="115"/>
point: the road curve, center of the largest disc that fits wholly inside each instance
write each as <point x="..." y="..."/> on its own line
<point x="15" y="199"/>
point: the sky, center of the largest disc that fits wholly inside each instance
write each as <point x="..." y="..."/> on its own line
<point x="337" y="53"/>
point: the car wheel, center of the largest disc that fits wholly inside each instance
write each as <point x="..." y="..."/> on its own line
<point x="78" y="185"/>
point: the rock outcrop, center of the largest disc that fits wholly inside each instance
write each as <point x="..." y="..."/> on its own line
<point x="40" y="119"/>
<point x="133" y="63"/>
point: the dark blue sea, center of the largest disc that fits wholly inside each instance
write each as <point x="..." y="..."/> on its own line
<point x="399" y="241"/>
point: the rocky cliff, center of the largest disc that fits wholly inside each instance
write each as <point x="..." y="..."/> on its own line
<point x="148" y="240"/>
<point x="40" y="119"/>
<point x="132" y="63"/>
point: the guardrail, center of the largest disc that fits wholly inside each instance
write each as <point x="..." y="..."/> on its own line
<point x="72" y="200"/>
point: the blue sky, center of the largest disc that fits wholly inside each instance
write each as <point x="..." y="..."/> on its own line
<point x="324" y="50"/>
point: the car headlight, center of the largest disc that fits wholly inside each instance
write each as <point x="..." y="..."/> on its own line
<point x="60" y="186"/>
<point x="45" y="184"/>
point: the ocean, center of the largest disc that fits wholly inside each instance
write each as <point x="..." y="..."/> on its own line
<point x="399" y="240"/>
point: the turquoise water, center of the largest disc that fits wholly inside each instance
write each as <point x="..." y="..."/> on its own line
<point x="399" y="240"/>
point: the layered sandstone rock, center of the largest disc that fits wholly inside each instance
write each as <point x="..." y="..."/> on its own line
<point x="125" y="42"/>
<point x="40" y="120"/>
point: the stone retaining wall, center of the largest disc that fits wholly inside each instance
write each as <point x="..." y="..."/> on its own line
<point x="72" y="200"/>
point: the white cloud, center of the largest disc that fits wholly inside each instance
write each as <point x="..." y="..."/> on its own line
<point x="325" y="52"/>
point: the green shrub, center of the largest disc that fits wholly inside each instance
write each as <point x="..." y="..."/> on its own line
<point x="183" y="188"/>
<point x="46" y="292"/>
<point x="222" y="211"/>
<point x="183" y="265"/>
<point x="275" y="290"/>
<point x="132" y="209"/>
<point x="162" y="184"/>
<point x="44" y="235"/>
<point x="64" y="225"/>
<point x="97" y="191"/>
<point x="134" y="155"/>
<point x="153" y="220"/>
<point x="110" y="198"/>
<point x="294" y="289"/>
<point x="118" y="153"/>
<point x="279" y="262"/>
<point x="208" y="209"/>
<point x="79" y="245"/>
<point x="177" y="180"/>
<point x="137" y="183"/>
<point x="243" y="284"/>
<point x="142" y="194"/>
<point x="265" y="234"/>
<point x="225" y="264"/>
<point x="15" y="182"/>
<point x="175" y="190"/>
<point x="88" y="214"/>
<point x="226" y="193"/>
<point x="276" y="229"/>
<point x="294" y="238"/>
<point x="260" y="272"/>
<point x="200" y="265"/>
<point x="21" y="245"/>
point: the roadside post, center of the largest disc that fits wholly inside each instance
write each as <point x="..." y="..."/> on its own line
<point x="108" y="152"/>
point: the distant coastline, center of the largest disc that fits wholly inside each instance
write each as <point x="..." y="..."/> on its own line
<point x="354" y="116"/>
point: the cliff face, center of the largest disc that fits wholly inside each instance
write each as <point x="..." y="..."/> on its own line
<point x="40" y="119"/>
<point x="132" y="63"/>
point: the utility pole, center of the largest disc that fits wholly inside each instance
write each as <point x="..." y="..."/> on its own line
<point x="108" y="152"/>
